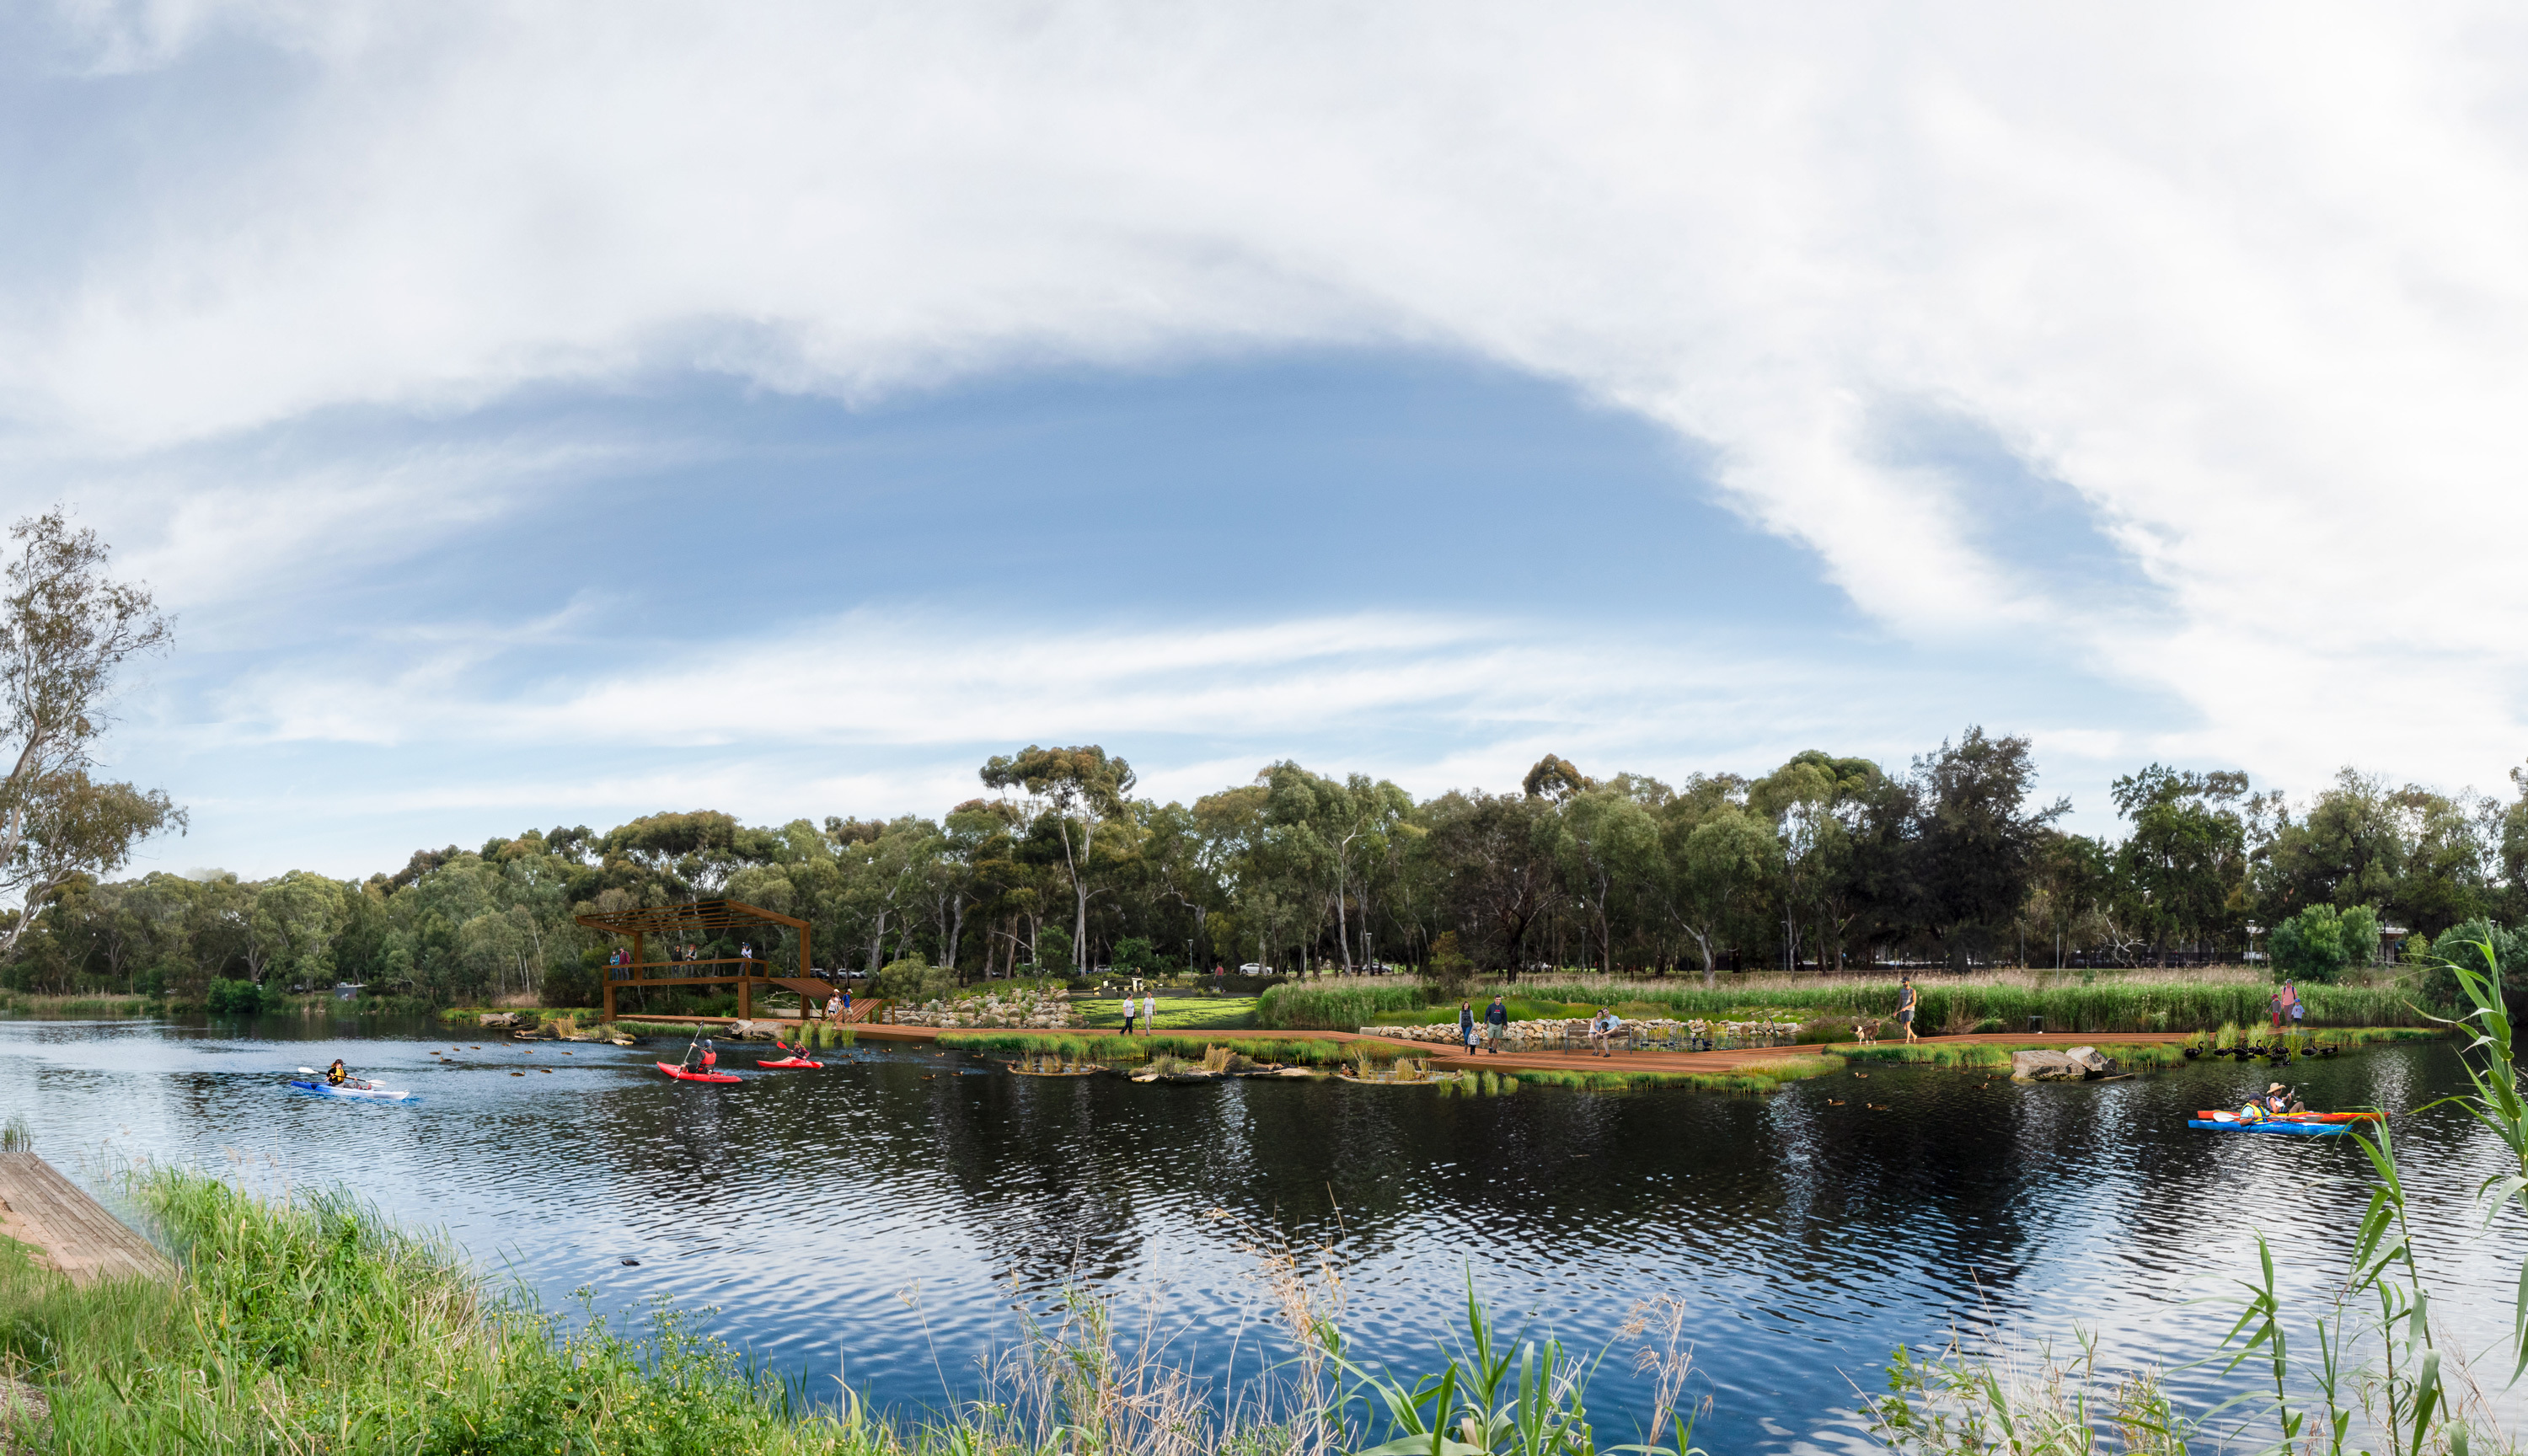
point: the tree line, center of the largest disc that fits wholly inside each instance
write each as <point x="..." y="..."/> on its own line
<point x="1822" y="864"/>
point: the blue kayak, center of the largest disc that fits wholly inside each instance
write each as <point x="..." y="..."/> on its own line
<point x="365" y="1092"/>
<point x="2294" y="1129"/>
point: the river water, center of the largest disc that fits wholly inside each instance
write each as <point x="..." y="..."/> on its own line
<point x="889" y="1217"/>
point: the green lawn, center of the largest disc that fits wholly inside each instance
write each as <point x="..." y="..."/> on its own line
<point x="1176" y="1013"/>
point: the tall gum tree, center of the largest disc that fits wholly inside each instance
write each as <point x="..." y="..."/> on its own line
<point x="65" y="631"/>
<point x="1082" y="788"/>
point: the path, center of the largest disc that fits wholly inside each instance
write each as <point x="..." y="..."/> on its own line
<point x="73" y="1231"/>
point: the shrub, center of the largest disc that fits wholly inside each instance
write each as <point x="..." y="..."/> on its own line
<point x="2309" y="946"/>
<point x="915" y="980"/>
<point x="233" y="998"/>
<point x="1133" y="957"/>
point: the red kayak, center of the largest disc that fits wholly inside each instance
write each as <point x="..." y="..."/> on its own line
<point x="791" y="1062"/>
<point x="2233" y="1117"/>
<point x="682" y="1075"/>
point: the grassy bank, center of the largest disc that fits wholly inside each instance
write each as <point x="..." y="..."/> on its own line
<point x="2130" y="1002"/>
<point x="88" y="1004"/>
<point x="313" y="1326"/>
<point x="1759" y="1077"/>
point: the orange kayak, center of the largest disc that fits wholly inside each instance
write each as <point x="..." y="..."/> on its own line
<point x="2298" y="1116"/>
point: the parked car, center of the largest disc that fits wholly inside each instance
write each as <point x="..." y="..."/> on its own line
<point x="1252" y="969"/>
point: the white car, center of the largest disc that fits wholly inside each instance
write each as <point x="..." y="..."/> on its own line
<point x="1252" y="969"/>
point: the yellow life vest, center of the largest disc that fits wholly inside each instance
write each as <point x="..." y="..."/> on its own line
<point x="2253" y="1112"/>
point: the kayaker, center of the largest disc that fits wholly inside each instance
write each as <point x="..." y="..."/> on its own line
<point x="336" y="1074"/>
<point x="2280" y="1103"/>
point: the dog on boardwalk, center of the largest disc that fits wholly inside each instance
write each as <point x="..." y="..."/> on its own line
<point x="1866" y="1033"/>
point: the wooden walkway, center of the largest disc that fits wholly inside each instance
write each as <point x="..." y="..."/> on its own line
<point x="73" y="1231"/>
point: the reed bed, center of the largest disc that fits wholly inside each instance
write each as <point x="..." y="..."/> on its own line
<point x="2002" y="1002"/>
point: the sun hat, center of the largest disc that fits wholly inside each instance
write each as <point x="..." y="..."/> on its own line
<point x="2276" y="1087"/>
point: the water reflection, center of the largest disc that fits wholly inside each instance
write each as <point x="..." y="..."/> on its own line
<point x="819" y="1213"/>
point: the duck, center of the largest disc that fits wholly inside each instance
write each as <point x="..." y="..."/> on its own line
<point x="1833" y="1102"/>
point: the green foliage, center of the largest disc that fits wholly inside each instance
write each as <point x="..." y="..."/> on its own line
<point x="1133" y="957"/>
<point x="914" y="980"/>
<point x="1053" y="950"/>
<point x="2318" y="943"/>
<point x="1332" y="1007"/>
<point x="233" y="998"/>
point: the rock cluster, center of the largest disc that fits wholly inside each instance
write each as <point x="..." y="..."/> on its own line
<point x="499" y="1019"/>
<point x="2079" y="1065"/>
<point x="1024" y="1008"/>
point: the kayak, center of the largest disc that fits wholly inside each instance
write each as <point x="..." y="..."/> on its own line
<point x="791" y="1062"/>
<point x="366" y="1093"/>
<point x="2303" y="1129"/>
<point x="2225" y="1116"/>
<point x="682" y="1075"/>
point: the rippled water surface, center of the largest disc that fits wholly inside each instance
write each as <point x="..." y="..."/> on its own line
<point x="893" y="1214"/>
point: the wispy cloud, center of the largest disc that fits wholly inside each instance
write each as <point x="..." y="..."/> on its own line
<point x="2235" y="288"/>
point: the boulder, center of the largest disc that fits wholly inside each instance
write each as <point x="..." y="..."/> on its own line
<point x="499" y="1019"/>
<point x="2079" y="1065"/>
<point x="755" y="1030"/>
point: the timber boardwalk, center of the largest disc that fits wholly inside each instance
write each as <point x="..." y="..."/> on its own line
<point x="73" y="1231"/>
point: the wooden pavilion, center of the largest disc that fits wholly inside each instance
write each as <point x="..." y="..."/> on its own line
<point x="705" y="920"/>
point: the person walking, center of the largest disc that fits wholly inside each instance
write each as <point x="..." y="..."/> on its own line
<point x="1149" y="1014"/>
<point x="1131" y="1006"/>
<point x="2274" y="1006"/>
<point x="1906" y="999"/>
<point x="1466" y="1025"/>
<point x="834" y="1006"/>
<point x="1496" y="1022"/>
<point x="847" y="1003"/>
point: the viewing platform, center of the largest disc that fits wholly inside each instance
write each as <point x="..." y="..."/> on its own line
<point x="73" y="1232"/>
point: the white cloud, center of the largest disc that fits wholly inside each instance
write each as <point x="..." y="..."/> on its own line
<point x="2244" y="279"/>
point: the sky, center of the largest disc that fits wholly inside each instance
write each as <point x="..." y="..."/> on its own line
<point x="554" y="414"/>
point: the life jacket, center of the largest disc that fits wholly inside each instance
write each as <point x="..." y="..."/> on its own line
<point x="334" y="1076"/>
<point x="2253" y="1112"/>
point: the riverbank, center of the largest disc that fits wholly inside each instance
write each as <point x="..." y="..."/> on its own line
<point x="1827" y="1007"/>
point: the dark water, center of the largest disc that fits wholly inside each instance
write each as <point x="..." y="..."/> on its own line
<point x="893" y="1213"/>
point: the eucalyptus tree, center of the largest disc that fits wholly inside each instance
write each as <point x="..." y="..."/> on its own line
<point x="1815" y="803"/>
<point x="1081" y="790"/>
<point x="1716" y="857"/>
<point x="1606" y="848"/>
<point x="1331" y="828"/>
<point x="65" y="631"/>
<point x="1494" y="854"/>
<point x="1977" y="838"/>
<point x="2187" y="855"/>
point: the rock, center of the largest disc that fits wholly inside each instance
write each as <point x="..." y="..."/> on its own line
<point x="2079" y="1065"/>
<point x="499" y="1019"/>
<point x="755" y="1030"/>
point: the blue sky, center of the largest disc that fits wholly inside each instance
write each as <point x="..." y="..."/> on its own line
<point x="561" y="417"/>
